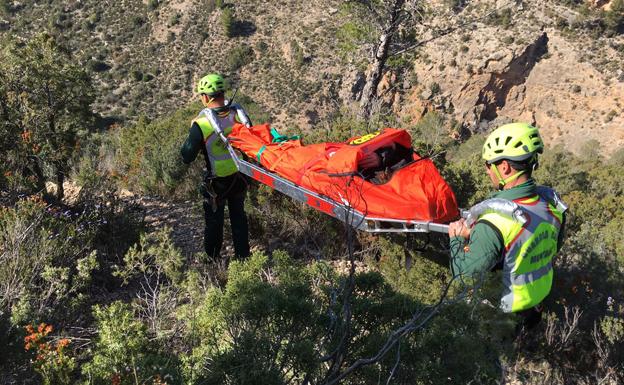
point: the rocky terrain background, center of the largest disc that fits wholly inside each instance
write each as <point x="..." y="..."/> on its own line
<point x="545" y="62"/>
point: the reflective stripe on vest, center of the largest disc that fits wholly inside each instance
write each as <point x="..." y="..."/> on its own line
<point x="529" y="250"/>
<point x="221" y="162"/>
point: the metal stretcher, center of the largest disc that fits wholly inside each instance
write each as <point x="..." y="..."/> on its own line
<point x="322" y="203"/>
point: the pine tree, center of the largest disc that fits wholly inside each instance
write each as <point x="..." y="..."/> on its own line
<point x="45" y="104"/>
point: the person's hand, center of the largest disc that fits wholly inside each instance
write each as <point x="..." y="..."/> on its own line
<point x="459" y="229"/>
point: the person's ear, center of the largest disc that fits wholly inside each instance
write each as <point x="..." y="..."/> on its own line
<point x="505" y="168"/>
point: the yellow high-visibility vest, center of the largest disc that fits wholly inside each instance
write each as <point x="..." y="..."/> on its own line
<point x="221" y="162"/>
<point x="529" y="249"/>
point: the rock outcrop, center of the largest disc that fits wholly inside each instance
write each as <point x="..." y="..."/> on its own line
<point x="530" y="72"/>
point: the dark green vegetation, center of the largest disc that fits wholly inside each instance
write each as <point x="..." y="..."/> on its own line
<point x="46" y="101"/>
<point x="86" y="296"/>
<point x="597" y="22"/>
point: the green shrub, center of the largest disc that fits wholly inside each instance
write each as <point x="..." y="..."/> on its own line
<point x="174" y="19"/>
<point x="613" y="328"/>
<point x="149" y="157"/>
<point x="257" y="113"/>
<point x="227" y="21"/>
<point x="123" y="353"/>
<point x="614" y="18"/>
<point x="98" y="66"/>
<point x="136" y="75"/>
<point x="153" y="255"/>
<point x="262" y="46"/>
<point x="47" y="260"/>
<point x="138" y="21"/>
<point x="508" y="40"/>
<point x="503" y="18"/>
<point x="5" y="7"/>
<point x="297" y="53"/>
<point x="430" y="135"/>
<point x="239" y="57"/>
<point x="434" y="88"/>
<point x="456" y="5"/>
<point x="53" y="102"/>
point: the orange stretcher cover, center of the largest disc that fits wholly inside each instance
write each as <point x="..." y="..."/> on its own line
<point x="414" y="192"/>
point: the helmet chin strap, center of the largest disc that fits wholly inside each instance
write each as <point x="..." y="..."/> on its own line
<point x="504" y="181"/>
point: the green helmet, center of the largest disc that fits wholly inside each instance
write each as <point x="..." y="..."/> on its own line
<point x="211" y="84"/>
<point x="515" y="141"/>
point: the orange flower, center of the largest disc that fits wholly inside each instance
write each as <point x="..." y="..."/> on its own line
<point x="8" y="174"/>
<point x="29" y="329"/>
<point x="26" y="135"/>
<point x="116" y="379"/>
<point x="62" y="343"/>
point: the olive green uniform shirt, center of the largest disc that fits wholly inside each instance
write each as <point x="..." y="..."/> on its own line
<point x="484" y="249"/>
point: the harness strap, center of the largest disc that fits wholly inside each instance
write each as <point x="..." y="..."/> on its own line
<point x="259" y="155"/>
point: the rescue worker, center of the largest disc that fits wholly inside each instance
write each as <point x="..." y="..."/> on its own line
<point x="222" y="182"/>
<point x="519" y="230"/>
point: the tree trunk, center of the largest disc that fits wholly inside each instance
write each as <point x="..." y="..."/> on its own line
<point x="35" y="168"/>
<point x="60" y="191"/>
<point x="369" y="94"/>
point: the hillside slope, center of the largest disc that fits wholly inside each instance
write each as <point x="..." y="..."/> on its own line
<point x="536" y="61"/>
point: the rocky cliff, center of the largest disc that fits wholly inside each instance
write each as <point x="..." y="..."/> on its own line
<point x="532" y="72"/>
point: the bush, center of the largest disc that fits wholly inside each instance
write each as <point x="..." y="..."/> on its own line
<point x="53" y="103"/>
<point x="456" y="5"/>
<point x="51" y="361"/>
<point x="227" y="21"/>
<point x="503" y="18"/>
<point x="5" y="7"/>
<point x="352" y="34"/>
<point x="98" y="66"/>
<point x="614" y="18"/>
<point x="297" y="53"/>
<point x="174" y="19"/>
<point x="239" y="57"/>
<point x="149" y="158"/>
<point x="46" y="262"/>
<point x="262" y="46"/>
<point x="123" y="353"/>
<point x="136" y="75"/>
<point x="138" y="21"/>
<point x="434" y="88"/>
